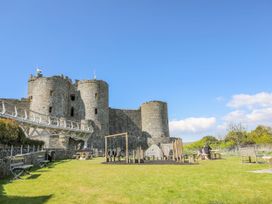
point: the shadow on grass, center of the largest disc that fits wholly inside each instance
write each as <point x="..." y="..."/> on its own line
<point x="13" y="199"/>
<point x="33" y="176"/>
<point x="41" y="170"/>
<point x="53" y="164"/>
<point x="6" y="199"/>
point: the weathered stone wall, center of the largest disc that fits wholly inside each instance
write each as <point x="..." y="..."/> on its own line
<point x="155" y="126"/>
<point x="22" y="104"/>
<point x="127" y="121"/>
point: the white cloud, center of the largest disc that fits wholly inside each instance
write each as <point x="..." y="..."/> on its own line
<point x="264" y="114"/>
<point x="252" y="117"/>
<point x="191" y="125"/>
<point x="262" y="99"/>
<point x="252" y="110"/>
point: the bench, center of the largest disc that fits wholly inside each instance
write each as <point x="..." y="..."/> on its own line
<point x="18" y="167"/>
<point x="42" y="161"/>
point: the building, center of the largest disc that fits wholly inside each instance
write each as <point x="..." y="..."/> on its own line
<point x="87" y="101"/>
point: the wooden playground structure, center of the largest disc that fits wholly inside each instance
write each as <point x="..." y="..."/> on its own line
<point x="166" y="153"/>
<point x="177" y="150"/>
<point x="111" y="154"/>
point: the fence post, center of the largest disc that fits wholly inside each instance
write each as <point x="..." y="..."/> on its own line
<point x="28" y="148"/>
<point x="21" y="149"/>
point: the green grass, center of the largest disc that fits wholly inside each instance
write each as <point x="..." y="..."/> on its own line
<point x="211" y="182"/>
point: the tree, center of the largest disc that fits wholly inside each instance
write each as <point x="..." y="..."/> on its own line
<point x="237" y="134"/>
<point x="261" y="135"/>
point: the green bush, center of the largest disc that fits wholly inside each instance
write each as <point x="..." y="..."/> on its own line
<point x="12" y="134"/>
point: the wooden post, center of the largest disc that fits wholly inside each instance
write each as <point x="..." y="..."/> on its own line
<point x="139" y="155"/>
<point x="21" y="149"/>
<point x="28" y="148"/>
<point x="126" y="147"/>
<point x="173" y="151"/>
<point x="11" y="150"/>
<point x="106" y="149"/>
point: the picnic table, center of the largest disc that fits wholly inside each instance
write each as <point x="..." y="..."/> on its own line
<point x="83" y="155"/>
<point x="215" y="154"/>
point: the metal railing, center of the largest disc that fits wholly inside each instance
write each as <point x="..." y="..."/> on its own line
<point x="11" y="111"/>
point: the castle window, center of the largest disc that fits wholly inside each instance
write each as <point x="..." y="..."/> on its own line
<point x="50" y="109"/>
<point x="72" y="112"/>
<point x="51" y="92"/>
<point x="30" y="97"/>
<point x="96" y="95"/>
<point x="95" y="111"/>
<point x="73" y="97"/>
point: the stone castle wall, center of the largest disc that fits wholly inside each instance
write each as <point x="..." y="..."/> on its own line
<point x="22" y="104"/>
<point x="125" y="121"/>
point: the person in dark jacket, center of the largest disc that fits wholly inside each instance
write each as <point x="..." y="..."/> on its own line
<point x="207" y="150"/>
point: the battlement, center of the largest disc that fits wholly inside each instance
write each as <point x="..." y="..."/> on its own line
<point x="55" y="77"/>
<point x="152" y="102"/>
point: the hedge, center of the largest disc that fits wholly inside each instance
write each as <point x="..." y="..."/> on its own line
<point x="12" y="134"/>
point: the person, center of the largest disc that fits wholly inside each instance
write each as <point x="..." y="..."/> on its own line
<point x="207" y="150"/>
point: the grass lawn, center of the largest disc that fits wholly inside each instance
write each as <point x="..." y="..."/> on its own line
<point x="211" y="182"/>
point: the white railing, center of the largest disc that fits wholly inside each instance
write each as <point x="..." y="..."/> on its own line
<point x="8" y="110"/>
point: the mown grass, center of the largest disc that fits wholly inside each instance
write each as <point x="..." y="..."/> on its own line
<point x="212" y="182"/>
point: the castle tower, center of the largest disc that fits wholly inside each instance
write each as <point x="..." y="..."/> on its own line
<point x="49" y="95"/>
<point x="155" y="122"/>
<point x="95" y="97"/>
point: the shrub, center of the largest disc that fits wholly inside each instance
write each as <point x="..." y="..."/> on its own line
<point x="12" y="134"/>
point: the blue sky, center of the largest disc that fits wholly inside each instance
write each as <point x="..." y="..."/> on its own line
<point x="210" y="60"/>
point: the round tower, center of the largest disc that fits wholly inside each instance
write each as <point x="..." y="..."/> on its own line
<point x="49" y="95"/>
<point x="95" y="97"/>
<point x="155" y="122"/>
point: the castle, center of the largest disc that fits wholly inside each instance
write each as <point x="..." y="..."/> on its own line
<point x="87" y="101"/>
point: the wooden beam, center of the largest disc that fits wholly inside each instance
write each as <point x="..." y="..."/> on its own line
<point x="126" y="147"/>
<point x="115" y="135"/>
